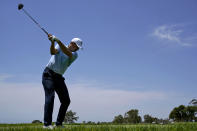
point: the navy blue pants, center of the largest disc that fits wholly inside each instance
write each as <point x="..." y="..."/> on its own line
<point x="53" y="82"/>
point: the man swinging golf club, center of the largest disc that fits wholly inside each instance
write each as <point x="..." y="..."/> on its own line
<point x="53" y="80"/>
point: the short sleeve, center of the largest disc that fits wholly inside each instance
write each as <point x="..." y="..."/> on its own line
<point x="74" y="57"/>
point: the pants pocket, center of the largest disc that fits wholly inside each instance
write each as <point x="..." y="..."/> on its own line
<point x="46" y="75"/>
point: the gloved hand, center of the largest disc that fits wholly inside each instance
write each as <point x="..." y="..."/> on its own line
<point x="52" y="38"/>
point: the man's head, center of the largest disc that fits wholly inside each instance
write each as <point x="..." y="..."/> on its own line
<point x="75" y="44"/>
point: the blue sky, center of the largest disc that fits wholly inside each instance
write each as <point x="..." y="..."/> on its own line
<point x="137" y="54"/>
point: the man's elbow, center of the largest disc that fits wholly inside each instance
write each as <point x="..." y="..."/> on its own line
<point x="52" y="53"/>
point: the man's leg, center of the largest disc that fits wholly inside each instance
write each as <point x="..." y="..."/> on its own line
<point x="64" y="98"/>
<point x="48" y="85"/>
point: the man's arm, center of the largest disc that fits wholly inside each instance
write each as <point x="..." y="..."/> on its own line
<point x="64" y="48"/>
<point x="53" y="51"/>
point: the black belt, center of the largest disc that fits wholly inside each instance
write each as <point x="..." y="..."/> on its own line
<point x="52" y="73"/>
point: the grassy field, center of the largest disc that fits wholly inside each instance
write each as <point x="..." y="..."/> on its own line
<point x="138" y="127"/>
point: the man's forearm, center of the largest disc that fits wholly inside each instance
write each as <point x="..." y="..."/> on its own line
<point x="64" y="48"/>
<point x="52" y="49"/>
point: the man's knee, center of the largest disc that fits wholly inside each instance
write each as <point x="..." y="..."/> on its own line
<point x="69" y="102"/>
<point x="66" y="102"/>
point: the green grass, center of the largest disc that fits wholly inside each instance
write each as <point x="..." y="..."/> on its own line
<point x="78" y="127"/>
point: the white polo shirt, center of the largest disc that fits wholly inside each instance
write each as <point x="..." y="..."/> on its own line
<point x="60" y="61"/>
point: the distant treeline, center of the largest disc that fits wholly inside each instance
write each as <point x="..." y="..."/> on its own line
<point x="178" y="114"/>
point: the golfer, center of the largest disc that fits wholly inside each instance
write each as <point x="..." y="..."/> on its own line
<point x="53" y="80"/>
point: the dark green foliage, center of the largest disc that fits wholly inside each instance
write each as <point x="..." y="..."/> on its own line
<point x="36" y="121"/>
<point x="148" y="119"/>
<point x="193" y="102"/>
<point x="132" y="116"/>
<point x="183" y="113"/>
<point x="118" y="119"/>
<point x="70" y="117"/>
<point x="129" y="117"/>
<point x="155" y="120"/>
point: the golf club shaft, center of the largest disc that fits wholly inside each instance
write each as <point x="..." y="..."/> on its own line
<point x="35" y="21"/>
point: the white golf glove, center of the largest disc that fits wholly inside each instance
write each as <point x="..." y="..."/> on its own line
<point x="53" y="38"/>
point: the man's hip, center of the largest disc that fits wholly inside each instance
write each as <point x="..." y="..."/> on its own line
<point x="50" y="74"/>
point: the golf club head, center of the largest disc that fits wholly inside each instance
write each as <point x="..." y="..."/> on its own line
<point x="20" y="6"/>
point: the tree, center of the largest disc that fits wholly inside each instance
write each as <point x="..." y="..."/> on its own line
<point x="178" y="113"/>
<point x="148" y="119"/>
<point x="193" y="102"/>
<point x="36" y="121"/>
<point x="118" y="119"/>
<point x="184" y="113"/>
<point x="191" y="113"/>
<point x="91" y="123"/>
<point x="132" y="116"/>
<point x="70" y="117"/>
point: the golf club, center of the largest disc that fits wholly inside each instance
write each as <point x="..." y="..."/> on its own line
<point x="20" y="7"/>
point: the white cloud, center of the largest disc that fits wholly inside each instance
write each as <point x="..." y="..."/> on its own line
<point x="175" y="34"/>
<point x="5" y="76"/>
<point x="21" y="102"/>
<point x="103" y="104"/>
<point x="24" y="102"/>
